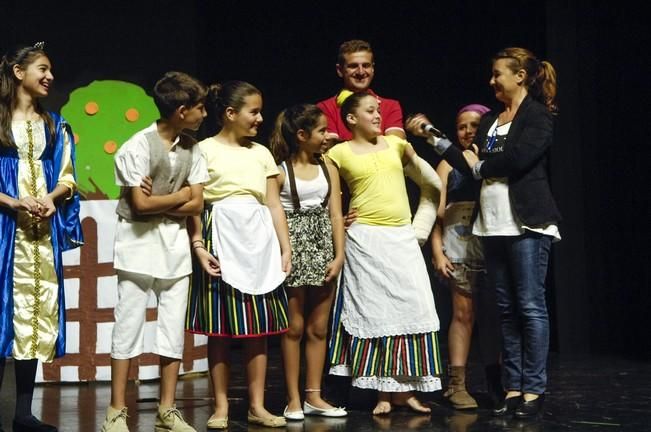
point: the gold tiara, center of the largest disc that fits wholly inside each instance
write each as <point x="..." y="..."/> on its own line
<point x="40" y="45"/>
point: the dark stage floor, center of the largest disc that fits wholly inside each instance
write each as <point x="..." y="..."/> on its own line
<point x="587" y="394"/>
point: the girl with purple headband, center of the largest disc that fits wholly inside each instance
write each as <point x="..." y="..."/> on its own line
<point x="458" y="259"/>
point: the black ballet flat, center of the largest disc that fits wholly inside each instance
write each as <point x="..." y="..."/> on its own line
<point x="32" y="424"/>
<point x="507" y="406"/>
<point x="531" y="408"/>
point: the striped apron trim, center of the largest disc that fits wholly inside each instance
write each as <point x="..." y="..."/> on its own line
<point x="217" y="309"/>
<point x="386" y="356"/>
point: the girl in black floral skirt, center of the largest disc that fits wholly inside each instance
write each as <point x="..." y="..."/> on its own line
<point x="310" y="194"/>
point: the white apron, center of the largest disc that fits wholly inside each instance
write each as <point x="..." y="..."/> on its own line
<point x="245" y="243"/>
<point x="386" y="288"/>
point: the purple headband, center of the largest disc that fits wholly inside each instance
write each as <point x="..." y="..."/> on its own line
<point x="478" y="108"/>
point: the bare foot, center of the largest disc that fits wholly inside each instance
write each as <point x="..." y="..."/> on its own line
<point x="417" y="405"/>
<point x="382" y="407"/>
<point x="411" y="401"/>
<point x="383" y="404"/>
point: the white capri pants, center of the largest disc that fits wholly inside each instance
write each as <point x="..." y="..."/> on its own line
<point x="129" y="328"/>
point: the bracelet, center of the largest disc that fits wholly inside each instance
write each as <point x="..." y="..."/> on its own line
<point x="197" y="241"/>
<point x="200" y="247"/>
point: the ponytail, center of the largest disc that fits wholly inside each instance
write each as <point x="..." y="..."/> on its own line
<point x="546" y="80"/>
<point x="277" y="142"/>
<point x="213" y="121"/>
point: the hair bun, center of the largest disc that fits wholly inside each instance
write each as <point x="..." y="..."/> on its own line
<point x="213" y="92"/>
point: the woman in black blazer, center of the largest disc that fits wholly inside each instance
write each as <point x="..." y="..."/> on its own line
<point x="517" y="217"/>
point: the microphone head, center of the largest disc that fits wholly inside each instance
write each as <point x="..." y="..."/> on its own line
<point x="432" y="130"/>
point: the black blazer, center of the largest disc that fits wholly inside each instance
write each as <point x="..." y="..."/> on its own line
<point x="524" y="162"/>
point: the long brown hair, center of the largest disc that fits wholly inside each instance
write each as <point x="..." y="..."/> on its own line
<point x="541" y="75"/>
<point x="283" y="141"/>
<point x="23" y="57"/>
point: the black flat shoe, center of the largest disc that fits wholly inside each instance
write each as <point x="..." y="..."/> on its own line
<point x="530" y="408"/>
<point x="507" y="406"/>
<point x="32" y="424"/>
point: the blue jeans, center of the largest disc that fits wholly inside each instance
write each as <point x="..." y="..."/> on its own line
<point x="517" y="266"/>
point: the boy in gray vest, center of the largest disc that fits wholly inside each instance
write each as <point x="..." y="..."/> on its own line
<point x="152" y="248"/>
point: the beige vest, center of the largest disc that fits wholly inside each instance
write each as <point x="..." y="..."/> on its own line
<point x="165" y="179"/>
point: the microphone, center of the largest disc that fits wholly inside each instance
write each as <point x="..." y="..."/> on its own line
<point x="432" y="130"/>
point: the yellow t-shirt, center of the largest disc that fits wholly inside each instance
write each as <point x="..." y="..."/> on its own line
<point x="236" y="170"/>
<point x="376" y="182"/>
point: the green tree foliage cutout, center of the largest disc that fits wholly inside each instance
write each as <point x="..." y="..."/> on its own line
<point x="103" y="115"/>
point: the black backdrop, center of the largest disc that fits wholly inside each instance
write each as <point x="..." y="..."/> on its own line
<point x="434" y="57"/>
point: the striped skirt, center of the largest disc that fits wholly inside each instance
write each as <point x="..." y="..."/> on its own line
<point x="217" y="309"/>
<point x="389" y="363"/>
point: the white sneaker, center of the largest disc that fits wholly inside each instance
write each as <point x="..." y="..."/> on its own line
<point x="116" y="420"/>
